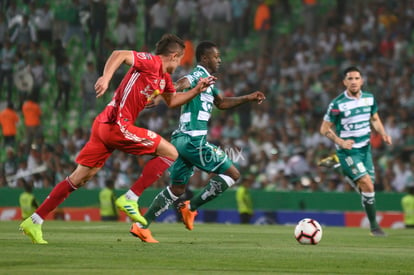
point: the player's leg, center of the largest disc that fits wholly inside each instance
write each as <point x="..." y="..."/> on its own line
<point x="164" y="199"/>
<point x="359" y="168"/>
<point x="366" y="185"/>
<point x="224" y="174"/>
<point x="32" y="226"/>
<point x="92" y="156"/>
<point x="153" y="170"/>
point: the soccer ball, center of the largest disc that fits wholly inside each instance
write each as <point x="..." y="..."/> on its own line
<point x="308" y="231"/>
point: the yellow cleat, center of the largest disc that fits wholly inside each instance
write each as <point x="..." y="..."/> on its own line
<point x="34" y="231"/>
<point x="130" y="207"/>
<point x="331" y="161"/>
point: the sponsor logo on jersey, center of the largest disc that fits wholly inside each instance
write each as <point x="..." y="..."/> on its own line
<point x="143" y="55"/>
<point x="162" y="84"/>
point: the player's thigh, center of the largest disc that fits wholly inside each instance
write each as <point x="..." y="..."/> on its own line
<point x="131" y="139"/>
<point x="181" y="171"/>
<point x="352" y="165"/>
<point x="166" y="149"/>
<point x="95" y="152"/>
<point x="205" y="156"/>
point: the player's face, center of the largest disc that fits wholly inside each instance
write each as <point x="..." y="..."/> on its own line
<point x="213" y="60"/>
<point x="175" y="61"/>
<point x="353" y="83"/>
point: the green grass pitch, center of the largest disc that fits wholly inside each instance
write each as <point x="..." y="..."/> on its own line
<point x="108" y="248"/>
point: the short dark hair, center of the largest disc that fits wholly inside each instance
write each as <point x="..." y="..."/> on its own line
<point x="203" y="47"/>
<point x="351" y="69"/>
<point x="169" y="43"/>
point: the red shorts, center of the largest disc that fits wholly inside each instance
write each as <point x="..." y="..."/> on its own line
<point x="106" y="137"/>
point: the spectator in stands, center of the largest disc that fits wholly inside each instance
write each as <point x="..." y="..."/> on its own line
<point x="39" y="77"/>
<point x="8" y="121"/>
<point x="8" y="58"/>
<point x="221" y="20"/>
<point x="88" y="89"/>
<point x="74" y="25"/>
<point x="184" y="13"/>
<point x="4" y="30"/>
<point x="24" y="34"/>
<point x="240" y="15"/>
<point x="32" y="120"/>
<point x="160" y="20"/>
<point x="10" y="165"/>
<point x="126" y="25"/>
<point x="98" y="24"/>
<point x="262" y="25"/>
<point x="64" y="83"/>
<point x="44" y="24"/>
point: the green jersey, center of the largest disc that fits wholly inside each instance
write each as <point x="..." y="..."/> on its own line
<point x="196" y="113"/>
<point x="351" y="117"/>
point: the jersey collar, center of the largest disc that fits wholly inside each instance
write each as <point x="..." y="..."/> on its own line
<point x="204" y="69"/>
<point x="354" y="98"/>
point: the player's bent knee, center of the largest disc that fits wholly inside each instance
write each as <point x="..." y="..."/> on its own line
<point x="178" y="190"/>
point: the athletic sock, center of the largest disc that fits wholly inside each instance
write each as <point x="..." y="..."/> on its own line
<point x="159" y="205"/>
<point x="59" y="193"/>
<point x="368" y="201"/>
<point x="217" y="185"/>
<point x="153" y="170"/>
<point x="130" y="195"/>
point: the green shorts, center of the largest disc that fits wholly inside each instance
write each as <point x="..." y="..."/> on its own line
<point x="196" y="152"/>
<point x="357" y="163"/>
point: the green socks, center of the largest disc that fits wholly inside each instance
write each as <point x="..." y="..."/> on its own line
<point x="368" y="201"/>
<point x="216" y="186"/>
<point x="159" y="205"/>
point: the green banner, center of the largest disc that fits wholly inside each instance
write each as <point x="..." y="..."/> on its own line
<point x="262" y="200"/>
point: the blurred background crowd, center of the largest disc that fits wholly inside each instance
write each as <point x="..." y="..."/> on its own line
<point x="294" y="51"/>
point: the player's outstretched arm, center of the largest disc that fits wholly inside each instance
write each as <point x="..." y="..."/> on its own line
<point x="231" y="102"/>
<point x="379" y="127"/>
<point x="178" y="99"/>
<point x="326" y="130"/>
<point x="112" y="64"/>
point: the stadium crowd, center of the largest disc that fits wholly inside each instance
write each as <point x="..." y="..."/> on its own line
<point x="293" y="51"/>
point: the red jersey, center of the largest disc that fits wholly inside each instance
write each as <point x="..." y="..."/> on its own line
<point x="144" y="80"/>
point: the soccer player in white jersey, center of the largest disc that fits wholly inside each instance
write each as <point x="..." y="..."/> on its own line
<point x="347" y="123"/>
<point x="194" y="150"/>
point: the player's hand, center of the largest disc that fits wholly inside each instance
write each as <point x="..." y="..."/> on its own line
<point x="206" y="82"/>
<point x="101" y="86"/>
<point x="387" y="139"/>
<point x="257" y="96"/>
<point x="346" y="144"/>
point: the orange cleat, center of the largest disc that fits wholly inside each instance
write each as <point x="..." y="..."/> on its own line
<point x="188" y="215"/>
<point x="143" y="233"/>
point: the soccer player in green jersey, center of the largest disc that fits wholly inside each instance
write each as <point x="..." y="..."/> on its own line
<point x="190" y="139"/>
<point x="347" y="123"/>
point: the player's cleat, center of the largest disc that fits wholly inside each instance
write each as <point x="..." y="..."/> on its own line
<point x="143" y="233"/>
<point x="188" y="215"/>
<point x="130" y="207"/>
<point x="34" y="231"/>
<point x="378" y="232"/>
<point x="331" y="161"/>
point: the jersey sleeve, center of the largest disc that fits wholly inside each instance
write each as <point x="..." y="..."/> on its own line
<point x="169" y="86"/>
<point x="144" y="62"/>
<point x="374" y="108"/>
<point x="332" y="113"/>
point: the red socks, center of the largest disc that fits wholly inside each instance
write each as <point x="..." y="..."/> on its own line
<point x="59" y="193"/>
<point x="153" y="170"/>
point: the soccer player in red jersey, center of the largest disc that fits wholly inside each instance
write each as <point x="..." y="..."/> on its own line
<point x="148" y="77"/>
